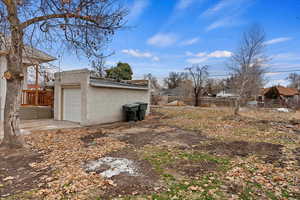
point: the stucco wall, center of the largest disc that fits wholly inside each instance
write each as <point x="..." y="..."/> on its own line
<point x="3" y="68"/>
<point x="105" y="104"/>
<point x="69" y="79"/>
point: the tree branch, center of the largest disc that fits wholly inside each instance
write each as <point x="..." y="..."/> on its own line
<point x="57" y="16"/>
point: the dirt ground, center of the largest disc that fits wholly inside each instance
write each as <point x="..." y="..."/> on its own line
<point x="17" y="173"/>
<point x="178" y="153"/>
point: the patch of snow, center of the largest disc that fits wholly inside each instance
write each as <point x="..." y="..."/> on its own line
<point x="286" y="110"/>
<point x="117" y="166"/>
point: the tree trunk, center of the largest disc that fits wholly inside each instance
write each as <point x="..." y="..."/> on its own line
<point x="196" y="101"/>
<point x="237" y="106"/>
<point x="14" y="83"/>
<point x="11" y="113"/>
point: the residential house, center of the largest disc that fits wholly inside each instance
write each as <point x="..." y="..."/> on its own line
<point x="36" y="97"/>
<point x="279" y="96"/>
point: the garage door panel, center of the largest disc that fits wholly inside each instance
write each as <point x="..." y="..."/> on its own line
<point x="72" y="104"/>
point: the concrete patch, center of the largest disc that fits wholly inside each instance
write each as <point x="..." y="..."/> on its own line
<point x="110" y="166"/>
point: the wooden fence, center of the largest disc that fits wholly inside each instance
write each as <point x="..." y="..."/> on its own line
<point x="206" y="101"/>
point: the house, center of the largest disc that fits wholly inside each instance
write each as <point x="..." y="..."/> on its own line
<point x="80" y="97"/>
<point x="31" y="57"/>
<point x="279" y="96"/>
<point x="226" y="94"/>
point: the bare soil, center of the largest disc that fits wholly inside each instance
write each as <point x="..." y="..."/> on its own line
<point x="194" y="169"/>
<point x="16" y="165"/>
<point x="270" y="153"/>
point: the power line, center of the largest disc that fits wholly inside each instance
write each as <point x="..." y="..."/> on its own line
<point x="268" y="72"/>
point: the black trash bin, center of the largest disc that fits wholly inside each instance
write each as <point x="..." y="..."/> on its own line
<point x="142" y="110"/>
<point x="130" y="111"/>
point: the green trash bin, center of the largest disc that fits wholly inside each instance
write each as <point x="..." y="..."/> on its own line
<point x="142" y="110"/>
<point x="130" y="111"/>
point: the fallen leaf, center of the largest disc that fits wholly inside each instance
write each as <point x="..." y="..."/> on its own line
<point x="8" y="178"/>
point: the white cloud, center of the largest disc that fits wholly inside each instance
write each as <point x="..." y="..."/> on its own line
<point x="228" y="13"/>
<point x="282" y="82"/>
<point x="217" y="24"/>
<point x="220" y="54"/>
<point x="181" y="8"/>
<point x="162" y="39"/>
<point x="223" y="22"/>
<point x="270" y="74"/>
<point x="155" y="58"/>
<point x="219" y="6"/>
<point x="188" y="53"/>
<point x="139" y="54"/>
<point x="190" y="41"/>
<point x="184" y="4"/>
<point x="137" y="9"/>
<point x="203" y="56"/>
<point x="214" y="54"/>
<point x="226" y="6"/>
<point x="278" y="40"/>
<point x="286" y="56"/>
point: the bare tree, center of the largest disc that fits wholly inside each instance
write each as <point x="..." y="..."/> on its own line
<point x="247" y="65"/>
<point x="199" y="75"/>
<point x="294" y="80"/>
<point x="98" y="66"/>
<point x="185" y="88"/>
<point x="174" y="79"/>
<point x="83" y="26"/>
<point x="153" y="82"/>
<point x="214" y="86"/>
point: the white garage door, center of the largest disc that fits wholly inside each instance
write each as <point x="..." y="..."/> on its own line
<point x="72" y="104"/>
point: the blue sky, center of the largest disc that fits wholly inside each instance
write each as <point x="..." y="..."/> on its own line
<point x="169" y="35"/>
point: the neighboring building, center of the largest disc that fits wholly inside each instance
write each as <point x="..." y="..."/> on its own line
<point x="279" y="96"/>
<point x="226" y="94"/>
<point x="185" y="89"/>
<point x="88" y="100"/>
<point x="31" y="57"/>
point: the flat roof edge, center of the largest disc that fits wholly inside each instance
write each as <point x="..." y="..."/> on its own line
<point x="117" y="86"/>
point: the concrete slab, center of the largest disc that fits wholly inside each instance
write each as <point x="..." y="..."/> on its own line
<point x="41" y="124"/>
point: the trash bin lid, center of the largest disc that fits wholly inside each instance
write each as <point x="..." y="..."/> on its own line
<point x="132" y="105"/>
<point x="141" y="103"/>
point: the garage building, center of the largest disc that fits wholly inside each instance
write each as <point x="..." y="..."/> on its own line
<point x="79" y="97"/>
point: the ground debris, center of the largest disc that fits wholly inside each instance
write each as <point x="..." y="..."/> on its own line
<point x="109" y="167"/>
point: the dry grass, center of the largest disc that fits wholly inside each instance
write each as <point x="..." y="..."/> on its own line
<point x="220" y="123"/>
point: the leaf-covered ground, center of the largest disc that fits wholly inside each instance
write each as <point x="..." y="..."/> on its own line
<point x="180" y="153"/>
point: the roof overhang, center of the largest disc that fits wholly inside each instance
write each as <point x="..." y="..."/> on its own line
<point x="32" y="56"/>
<point x="116" y="85"/>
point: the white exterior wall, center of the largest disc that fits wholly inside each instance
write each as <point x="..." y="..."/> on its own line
<point x="75" y="78"/>
<point x="3" y="68"/>
<point x="104" y="105"/>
